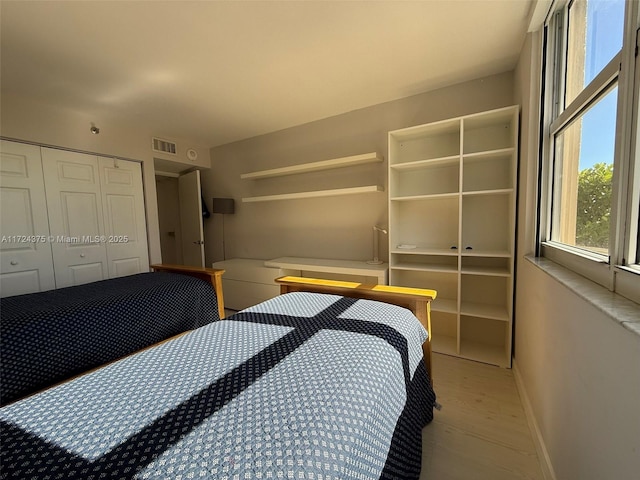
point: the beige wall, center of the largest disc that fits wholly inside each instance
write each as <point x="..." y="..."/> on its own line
<point x="332" y="227"/>
<point x="579" y="368"/>
<point x="335" y="227"/>
<point x="24" y="120"/>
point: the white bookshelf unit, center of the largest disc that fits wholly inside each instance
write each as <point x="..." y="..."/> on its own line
<point x="342" y="162"/>
<point x="452" y="197"/>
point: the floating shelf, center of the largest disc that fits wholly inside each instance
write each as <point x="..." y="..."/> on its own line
<point x="317" y="193"/>
<point x="314" y="166"/>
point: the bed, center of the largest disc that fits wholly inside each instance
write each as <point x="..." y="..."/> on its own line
<point x="51" y="336"/>
<point x="321" y="382"/>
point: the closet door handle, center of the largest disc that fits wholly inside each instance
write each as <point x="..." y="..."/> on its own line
<point x="82" y="255"/>
<point x="14" y="262"/>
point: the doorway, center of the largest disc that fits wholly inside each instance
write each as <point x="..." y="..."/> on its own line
<point x="180" y="218"/>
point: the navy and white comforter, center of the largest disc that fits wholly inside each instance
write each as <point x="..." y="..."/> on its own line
<point x="51" y="336"/>
<point x="303" y="386"/>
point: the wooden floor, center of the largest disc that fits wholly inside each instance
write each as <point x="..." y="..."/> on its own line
<point x="481" y="431"/>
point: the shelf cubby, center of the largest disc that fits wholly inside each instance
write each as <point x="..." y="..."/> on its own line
<point x="441" y="178"/>
<point x="488" y="171"/>
<point x="446" y="284"/>
<point x="425" y="222"/>
<point x="487" y="222"/>
<point x="485" y="340"/>
<point x="485" y="296"/>
<point x="437" y="140"/>
<point x="433" y="263"/>
<point x="444" y="332"/>
<point x="490" y="266"/>
<point x="489" y="131"/>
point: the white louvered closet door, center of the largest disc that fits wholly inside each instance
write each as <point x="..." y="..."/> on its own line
<point x="75" y="209"/>
<point x="25" y="252"/>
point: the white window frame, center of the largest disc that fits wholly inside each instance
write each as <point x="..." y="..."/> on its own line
<point x="620" y="271"/>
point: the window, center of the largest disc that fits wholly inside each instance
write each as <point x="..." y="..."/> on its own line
<point x="590" y="197"/>
<point x="583" y="174"/>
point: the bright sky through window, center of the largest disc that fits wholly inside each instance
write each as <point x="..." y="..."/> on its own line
<point x="605" y="23"/>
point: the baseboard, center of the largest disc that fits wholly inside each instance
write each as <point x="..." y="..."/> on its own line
<point x="541" y="449"/>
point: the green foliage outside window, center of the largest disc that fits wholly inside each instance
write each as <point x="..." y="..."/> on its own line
<point x="594" y="206"/>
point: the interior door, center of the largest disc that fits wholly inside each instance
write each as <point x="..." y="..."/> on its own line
<point x="190" y="196"/>
<point x="26" y="264"/>
<point x="124" y="216"/>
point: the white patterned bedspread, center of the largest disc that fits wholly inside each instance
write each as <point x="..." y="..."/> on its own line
<point x="317" y="392"/>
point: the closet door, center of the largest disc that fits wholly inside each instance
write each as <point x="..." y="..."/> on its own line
<point x="26" y="264"/>
<point x="75" y="217"/>
<point x="124" y="216"/>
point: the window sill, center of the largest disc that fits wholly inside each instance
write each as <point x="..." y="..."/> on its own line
<point x="616" y="307"/>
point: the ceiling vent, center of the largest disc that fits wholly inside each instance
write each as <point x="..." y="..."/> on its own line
<point x="163" y="146"/>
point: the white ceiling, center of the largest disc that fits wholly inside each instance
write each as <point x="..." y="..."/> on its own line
<point x="215" y="72"/>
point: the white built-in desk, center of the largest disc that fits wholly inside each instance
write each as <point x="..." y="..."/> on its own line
<point x="247" y="282"/>
<point x="352" y="270"/>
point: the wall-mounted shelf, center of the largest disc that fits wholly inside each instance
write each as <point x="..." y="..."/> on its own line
<point x="333" y="163"/>
<point x="314" y="166"/>
<point x="317" y="193"/>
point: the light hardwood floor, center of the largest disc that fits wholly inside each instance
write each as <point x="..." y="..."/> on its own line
<point x="481" y="432"/>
